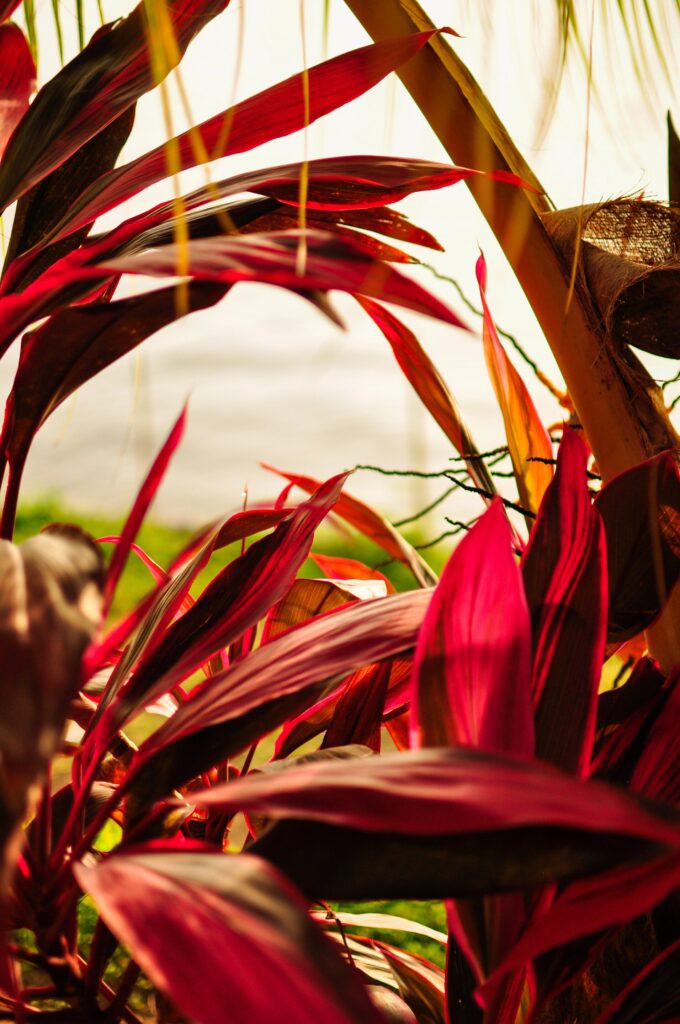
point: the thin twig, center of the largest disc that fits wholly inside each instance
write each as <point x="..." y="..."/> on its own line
<point x="405" y="472"/>
<point x="553" y="462"/>
<point x="428" y="508"/>
<point x="437" y="540"/>
<point x="502" y="450"/>
<point x="487" y="494"/>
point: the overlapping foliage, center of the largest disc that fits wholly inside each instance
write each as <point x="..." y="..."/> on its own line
<point x="542" y="811"/>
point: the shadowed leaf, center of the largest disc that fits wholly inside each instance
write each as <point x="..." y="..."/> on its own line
<point x="564" y="570"/>
<point x="106" y="78"/>
<point x="640" y="509"/>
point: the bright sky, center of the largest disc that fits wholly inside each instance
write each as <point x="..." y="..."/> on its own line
<point x="511" y="50"/>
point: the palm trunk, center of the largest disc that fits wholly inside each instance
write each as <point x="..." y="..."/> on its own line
<point x="619" y="405"/>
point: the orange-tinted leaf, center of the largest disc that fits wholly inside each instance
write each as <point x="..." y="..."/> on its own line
<point x="527" y="437"/>
<point x="430" y="387"/>
<point x="350" y="569"/>
<point x="367" y="521"/>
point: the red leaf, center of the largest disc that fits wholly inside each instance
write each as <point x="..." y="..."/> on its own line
<point x="316" y="718"/>
<point x="373" y="526"/>
<point x="472" y="669"/>
<point x="430" y="387"/>
<point x="358" y="713"/>
<point x="144" y="498"/>
<point x="331" y="263"/>
<point x="657" y="768"/>
<point x="317" y="652"/>
<point x="238" y="527"/>
<point x="7" y="8"/>
<point x="17" y="78"/>
<point x="565" y="576"/>
<point x="235" y="600"/>
<point x="268" y="115"/>
<point x="587" y="906"/>
<point x="443" y="791"/>
<point x="262" y="958"/>
<point x="527" y="437"/>
<point x="106" y="78"/>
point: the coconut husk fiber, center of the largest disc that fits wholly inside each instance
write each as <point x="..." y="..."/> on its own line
<point x="629" y="263"/>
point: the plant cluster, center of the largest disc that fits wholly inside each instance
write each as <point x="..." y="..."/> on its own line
<point x="320" y="740"/>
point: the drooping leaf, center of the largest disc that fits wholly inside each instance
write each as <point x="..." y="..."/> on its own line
<point x="444" y="791"/>
<point x="367" y="521"/>
<point x="452" y="823"/>
<point x="271" y="114"/>
<point x="102" y="81"/>
<point x="430" y="387"/>
<point x="40" y="209"/>
<point x="262" y="957"/>
<point x="527" y="437"/>
<point x="332" y="263"/>
<point x="564" y="570"/>
<point x="17" y="80"/>
<point x="474" y="651"/>
<point x="640" y="509"/>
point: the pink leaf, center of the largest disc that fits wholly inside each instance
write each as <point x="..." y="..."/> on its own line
<point x="472" y="669"/>
<point x="17" y="80"/>
<point x="262" y="958"/>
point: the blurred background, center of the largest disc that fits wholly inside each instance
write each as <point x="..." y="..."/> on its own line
<point x="267" y="377"/>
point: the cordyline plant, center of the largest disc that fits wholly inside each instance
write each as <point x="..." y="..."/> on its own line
<point x="542" y="812"/>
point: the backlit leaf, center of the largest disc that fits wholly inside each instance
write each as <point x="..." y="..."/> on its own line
<point x="527" y="437"/>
